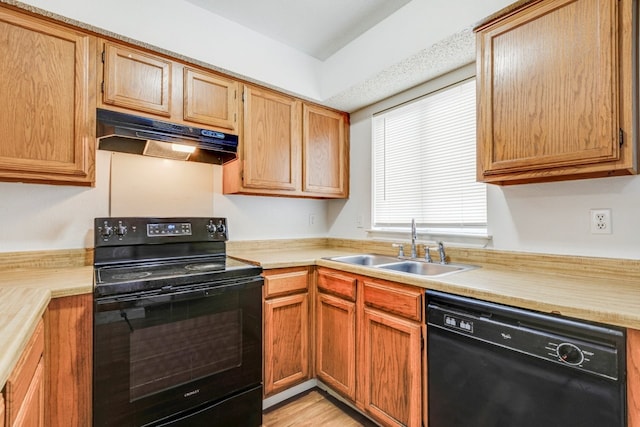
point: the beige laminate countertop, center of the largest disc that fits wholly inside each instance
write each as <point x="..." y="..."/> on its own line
<point x="24" y="296"/>
<point x="612" y="301"/>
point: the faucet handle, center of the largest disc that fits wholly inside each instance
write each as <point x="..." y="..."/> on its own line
<point x="427" y="254"/>
<point x="400" y="247"/>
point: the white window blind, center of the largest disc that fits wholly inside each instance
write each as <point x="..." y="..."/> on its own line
<point x="424" y="164"/>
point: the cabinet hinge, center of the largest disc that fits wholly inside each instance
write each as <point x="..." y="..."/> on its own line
<point x="421" y="341"/>
<point x="103" y="54"/>
<point x="242" y="176"/>
<point x="235" y="117"/>
<point x="243" y="96"/>
<point x="102" y="86"/>
<point x="621" y="137"/>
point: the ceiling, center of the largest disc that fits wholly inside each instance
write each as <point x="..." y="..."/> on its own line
<point x="316" y="28"/>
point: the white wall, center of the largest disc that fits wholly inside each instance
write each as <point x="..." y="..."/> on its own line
<point x="543" y="218"/>
<point x="48" y="217"/>
<point x="181" y="27"/>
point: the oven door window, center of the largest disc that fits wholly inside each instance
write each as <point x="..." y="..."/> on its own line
<point x="169" y="353"/>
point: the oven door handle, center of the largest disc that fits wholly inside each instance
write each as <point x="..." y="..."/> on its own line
<point x="169" y="295"/>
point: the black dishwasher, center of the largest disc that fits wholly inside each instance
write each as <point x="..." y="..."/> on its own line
<point x="491" y="365"/>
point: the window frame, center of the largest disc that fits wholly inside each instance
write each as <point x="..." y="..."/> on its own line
<point x="464" y="234"/>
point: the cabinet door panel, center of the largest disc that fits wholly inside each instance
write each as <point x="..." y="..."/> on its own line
<point x="271" y="141"/>
<point x="47" y="113"/>
<point x="286" y="342"/>
<point x="335" y="348"/>
<point x="209" y="99"/>
<point x="391" y="373"/>
<point x="31" y="413"/>
<point x="2" y="410"/>
<point x="136" y="80"/>
<point x="548" y="88"/>
<point x="69" y="322"/>
<point x="325" y="152"/>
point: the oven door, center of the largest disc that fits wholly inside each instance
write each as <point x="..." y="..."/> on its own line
<point x="159" y="357"/>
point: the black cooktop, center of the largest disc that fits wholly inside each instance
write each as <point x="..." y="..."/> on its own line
<point x="161" y="254"/>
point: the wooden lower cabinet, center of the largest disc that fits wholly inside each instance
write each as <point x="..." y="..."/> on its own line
<point x="369" y="344"/>
<point x="69" y="332"/>
<point x="25" y="397"/>
<point x="633" y="377"/>
<point x="287" y="358"/>
<point x="390" y="375"/>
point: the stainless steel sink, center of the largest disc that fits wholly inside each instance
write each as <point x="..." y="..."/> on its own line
<point x="365" y="259"/>
<point x="409" y="266"/>
<point x="425" y="268"/>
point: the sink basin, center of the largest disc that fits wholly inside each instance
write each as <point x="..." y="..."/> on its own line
<point x="366" y="259"/>
<point x="386" y="262"/>
<point x="425" y="268"/>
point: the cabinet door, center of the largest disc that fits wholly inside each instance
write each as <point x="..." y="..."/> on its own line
<point x="271" y="141"/>
<point x="136" y="80"/>
<point x="69" y="323"/>
<point x="31" y="413"/>
<point x="391" y="375"/>
<point x="47" y="113"/>
<point x="210" y="100"/>
<point x="548" y="91"/>
<point x="336" y="346"/>
<point x="24" y="388"/>
<point x="325" y="151"/>
<point x="286" y="342"/>
<point x="2" y="410"/>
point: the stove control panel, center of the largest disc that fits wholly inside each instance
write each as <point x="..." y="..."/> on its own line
<point x="138" y="231"/>
<point x="169" y="229"/>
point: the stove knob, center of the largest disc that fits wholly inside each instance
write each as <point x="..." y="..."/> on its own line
<point x="106" y="232"/>
<point x="570" y="354"/>
<point x="221" y="228"/>
<point x="121" y="230"/>
<point x="211" y="227"/>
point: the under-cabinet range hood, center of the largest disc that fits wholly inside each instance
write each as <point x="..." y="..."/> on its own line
<point x="127" y="133"/>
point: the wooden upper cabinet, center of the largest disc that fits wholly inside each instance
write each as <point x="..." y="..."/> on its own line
<point x="554" y="92"/>
<point x="271" y="140"/>
<point x="136" y="80"/>
<point x="47" y="113"/>
<point x="325" y="151"/>
<point x="289" y="148"/>
<point x="210" y="99"/>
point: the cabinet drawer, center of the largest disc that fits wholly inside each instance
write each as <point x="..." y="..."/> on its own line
<point x="403" y="301"/>
<point x="337" y="284"/>
<point x="286" y="281"/>
<point x="23" y="374"/>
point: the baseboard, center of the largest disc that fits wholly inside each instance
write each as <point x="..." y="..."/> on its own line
<point x="288" y="393"/>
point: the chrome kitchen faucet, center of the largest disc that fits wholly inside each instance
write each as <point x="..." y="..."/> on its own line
<point x="414" y="236"/>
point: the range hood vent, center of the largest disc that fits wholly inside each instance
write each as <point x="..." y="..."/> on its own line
<point x="127" y="133"/>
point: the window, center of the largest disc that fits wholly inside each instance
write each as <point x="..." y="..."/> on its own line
<point x="424" y="164"/>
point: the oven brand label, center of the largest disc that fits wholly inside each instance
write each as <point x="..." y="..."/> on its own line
<point x="192" y="392"/>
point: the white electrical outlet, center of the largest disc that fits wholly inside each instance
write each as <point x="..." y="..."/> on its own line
<point x="600" y="221"/>
<point x="312" y="219"/>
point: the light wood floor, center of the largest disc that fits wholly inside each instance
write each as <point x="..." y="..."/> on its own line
<point x="314" y="408"/>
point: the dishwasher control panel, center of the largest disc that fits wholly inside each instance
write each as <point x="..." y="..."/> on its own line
<point x="543" y="340"/>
